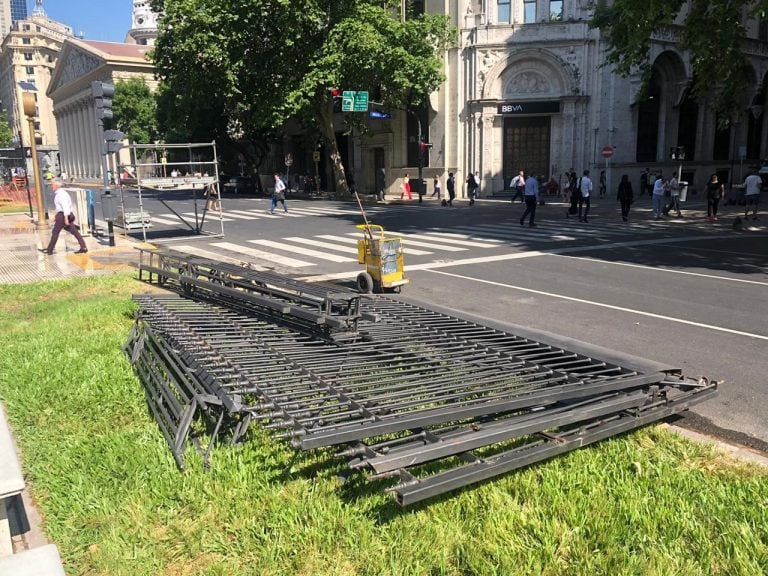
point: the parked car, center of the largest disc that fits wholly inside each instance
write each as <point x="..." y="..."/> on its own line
<point x="239" y="185"/>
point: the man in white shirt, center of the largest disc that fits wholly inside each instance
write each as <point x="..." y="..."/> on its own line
<point x="659" y="188"/>
<point x="585" y="185"/>
<point x="752" y="187"/>
<point x="278" y="195"/>
<point x="531" y="197"/>
<point x="518" y="185"/>
<point x="65" y="219"/>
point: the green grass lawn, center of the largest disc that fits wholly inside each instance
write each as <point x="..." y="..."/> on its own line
<point x="650" y="503"/>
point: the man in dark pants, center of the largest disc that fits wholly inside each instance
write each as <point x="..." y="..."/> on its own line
<point x="64" y="220"/>
<point x="451" y="186"/>
<point x="530" y="197"/>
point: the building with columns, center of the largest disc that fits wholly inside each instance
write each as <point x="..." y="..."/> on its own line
<point x="81" y="63"/>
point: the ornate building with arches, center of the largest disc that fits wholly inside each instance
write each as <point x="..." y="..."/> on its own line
<point x="527" y="89"/>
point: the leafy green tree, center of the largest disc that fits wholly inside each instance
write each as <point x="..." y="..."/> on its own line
<point x="262" y="62"/>
<point x="712" y="31"/>
<point x="135" y="110"/>
<point x="6" y="134"/>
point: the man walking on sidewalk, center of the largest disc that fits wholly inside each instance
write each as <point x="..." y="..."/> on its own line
<point x="518" y="185"/>
<point x="752" y="186"/>
<point x="530" y="197"/>
<point x="64" y="220"/>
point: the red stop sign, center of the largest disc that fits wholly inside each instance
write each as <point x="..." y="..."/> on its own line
<point x="607" y="151"/>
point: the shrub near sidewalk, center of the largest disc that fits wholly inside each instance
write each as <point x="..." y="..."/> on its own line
<point x="114" y="502"/>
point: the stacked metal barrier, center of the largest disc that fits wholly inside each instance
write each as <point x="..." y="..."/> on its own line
<point x="397" y="387"/>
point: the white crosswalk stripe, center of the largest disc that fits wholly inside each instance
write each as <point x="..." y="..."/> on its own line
<point x="261" y="254"/>
<point x="319" y="244"/>
<point x="197" y="251"/>
<point x="302" y="251"/>
<point x="349" y="240"/>
<point x="451" y="238"/>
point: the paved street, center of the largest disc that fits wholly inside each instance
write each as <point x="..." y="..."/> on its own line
<point x="678" y="291"/>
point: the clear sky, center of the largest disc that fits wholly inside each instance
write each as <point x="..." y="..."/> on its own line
<point x="107" y="20"/>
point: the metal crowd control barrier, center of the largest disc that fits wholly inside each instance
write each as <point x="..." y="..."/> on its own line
<point x="395" y="386"/>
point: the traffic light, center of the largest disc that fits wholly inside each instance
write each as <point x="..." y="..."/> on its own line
<point x="102" y="94"/>
<point x="424" y="146"/>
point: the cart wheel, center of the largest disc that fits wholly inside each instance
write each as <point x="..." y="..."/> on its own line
<point x="398" y="289"/>
<point x="364" y="283"/>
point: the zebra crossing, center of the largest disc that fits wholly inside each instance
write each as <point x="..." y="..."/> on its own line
<point x="294" y="211"/>
<point x="433" y="244"/>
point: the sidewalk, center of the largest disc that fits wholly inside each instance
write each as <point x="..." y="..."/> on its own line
<point x="21" y="262"/>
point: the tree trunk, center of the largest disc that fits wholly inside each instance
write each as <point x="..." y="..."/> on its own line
<point x="329" y="134"/>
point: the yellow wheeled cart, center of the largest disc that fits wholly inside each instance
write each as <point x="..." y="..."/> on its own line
<point x="383" y="259"/>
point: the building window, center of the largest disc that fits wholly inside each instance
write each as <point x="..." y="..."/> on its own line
<point x="555" y="10"/>
<point x="30" y="70"/>
<point x="26" y="28"/>
<point x="504" y="12"/>
<point x="37" y="124"/>
<point x="28" y="56"/>
<point x="26" y="40"/>
<point x="529" y="11"/>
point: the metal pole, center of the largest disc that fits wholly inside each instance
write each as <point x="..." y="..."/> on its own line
<point x="105" y="176"/>
<point x="41" y="224"/>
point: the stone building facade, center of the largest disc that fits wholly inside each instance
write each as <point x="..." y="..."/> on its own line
<point x="526" y="88"/>
<point x="81" y="63"/>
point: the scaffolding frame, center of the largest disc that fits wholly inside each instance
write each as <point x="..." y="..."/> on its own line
<point x="154" y="176"/>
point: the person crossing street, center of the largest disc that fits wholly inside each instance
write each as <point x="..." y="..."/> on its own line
<point x="531" y="198"/>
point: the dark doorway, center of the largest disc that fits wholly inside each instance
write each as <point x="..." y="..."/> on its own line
<point x="526" y="145"/>
<point x="648" y="123"/>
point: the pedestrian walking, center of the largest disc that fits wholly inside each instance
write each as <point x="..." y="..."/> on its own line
<point x="674" y="197"/>
<point x="752" y="187"/>
<point x="406" y="188"/>
<point x="603" y="183"/>
<point x="64" y="219"/>
<point x="381" y="183"/>
<point x="451" y="187"/>
<point x="436" y="187"/>
<point x="659" y="191"/>
<point x="715" y="193"/>
<point x="625" y="196"/>
<point x="473" y="185"/>
<point x="278" y="194"/>
<point x="575" y="195"/>
<point x="585" y="189"/>
<point x="518" y="185"/>
<point x="531" y="198"/>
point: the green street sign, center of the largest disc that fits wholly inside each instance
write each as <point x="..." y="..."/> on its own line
<point x="361" y="102"/>
<point x="352" y="101"/>
<point x="347" y="101"/>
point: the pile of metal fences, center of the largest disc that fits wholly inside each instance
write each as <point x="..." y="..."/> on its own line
<point x="396" y="387"/>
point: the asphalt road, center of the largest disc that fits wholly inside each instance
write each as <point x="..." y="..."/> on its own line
<point x="679" y="291"/>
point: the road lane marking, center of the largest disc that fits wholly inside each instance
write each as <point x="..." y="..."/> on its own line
<point x="644" y="267"/>
<point x="411" y="251"/>
<point x="319" y="244"/>
<point x="303" y="251"/>
<point x="602" y="305"/>
<point x="269" y="256"/>
<point x="196" y="251"/>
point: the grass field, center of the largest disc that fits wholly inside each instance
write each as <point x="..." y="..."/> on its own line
<point x="650" y="503"/>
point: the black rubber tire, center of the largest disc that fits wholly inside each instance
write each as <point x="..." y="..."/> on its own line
<point x="364" y="283"/>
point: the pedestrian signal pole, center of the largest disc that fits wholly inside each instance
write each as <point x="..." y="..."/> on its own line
<point x="102" y="95"/>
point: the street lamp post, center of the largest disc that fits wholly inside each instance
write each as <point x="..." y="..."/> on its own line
<point x="28" y="101"/>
